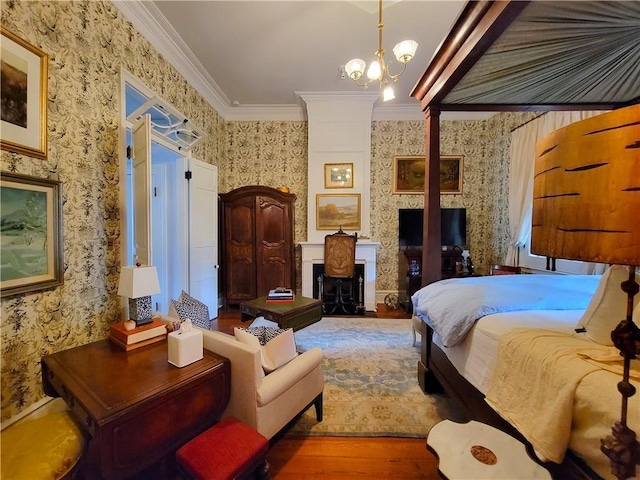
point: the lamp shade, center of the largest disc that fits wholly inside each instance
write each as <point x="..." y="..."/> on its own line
<point x="405" y="50"/>
<point x="387" y="94"/>
<point x="355" y="68"/>
<point x="136" y="282"/>
<point x="586" y="191"/>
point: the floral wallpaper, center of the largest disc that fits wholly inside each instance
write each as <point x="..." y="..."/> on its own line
<point x="88" y="43"/>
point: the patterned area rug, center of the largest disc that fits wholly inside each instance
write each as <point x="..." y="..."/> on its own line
<point x="371" y="386"/>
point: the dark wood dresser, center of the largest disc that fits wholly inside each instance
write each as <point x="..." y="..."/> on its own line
<point x="135" y="407"/>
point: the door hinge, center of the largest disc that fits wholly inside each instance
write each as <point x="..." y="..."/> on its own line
<point x="188" y="174"/>
<point x="155" y="191"/>
<point x="129" y="152"/>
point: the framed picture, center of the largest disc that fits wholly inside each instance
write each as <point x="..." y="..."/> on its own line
<point x="338" y="175"/>
<point x="24" y="97"/>
<point x="409" y="174"/>
<point x="338" y="211"/>
<point x="31" y="241"/>
<point x="450" y="174"/>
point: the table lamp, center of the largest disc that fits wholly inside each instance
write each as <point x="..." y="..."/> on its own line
<point x="138" y="283"/>
<point x="586" y="200"/>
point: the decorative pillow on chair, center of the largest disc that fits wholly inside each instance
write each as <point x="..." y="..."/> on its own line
<point x="279" y="345"/>
<point x="188" y="307"/>
<point x="607" y="306"/>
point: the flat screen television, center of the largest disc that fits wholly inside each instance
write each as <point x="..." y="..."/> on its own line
<point x="453" y="227"/>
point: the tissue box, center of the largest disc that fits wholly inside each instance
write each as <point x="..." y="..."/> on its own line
<point x="185" y="347"/>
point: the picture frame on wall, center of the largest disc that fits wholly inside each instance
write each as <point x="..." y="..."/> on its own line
<point x="338" y="175"/>
<point x="31" y="242"/>
<point x="409" y="174"/>
<point x="335" y="211"/>
<point x="24" y="97"/>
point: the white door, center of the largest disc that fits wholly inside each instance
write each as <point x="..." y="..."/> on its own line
<point x="142" y="191"/>
<point x="203" y="244"/>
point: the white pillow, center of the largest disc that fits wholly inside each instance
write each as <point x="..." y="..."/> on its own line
<point x="275" y="353"/>
<point x="608" y="306"/>
<point x="279" y="351"/>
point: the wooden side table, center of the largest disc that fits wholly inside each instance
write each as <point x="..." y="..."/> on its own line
<point x="135" y="406"/>
<point x="475" y="450"/>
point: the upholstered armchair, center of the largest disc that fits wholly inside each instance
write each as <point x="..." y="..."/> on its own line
<point x="268" y="402"/>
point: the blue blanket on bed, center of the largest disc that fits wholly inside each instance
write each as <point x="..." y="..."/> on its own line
<point x="452" y="306"/>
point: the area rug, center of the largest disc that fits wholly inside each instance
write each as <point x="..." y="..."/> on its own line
<point x="371" y="386"/>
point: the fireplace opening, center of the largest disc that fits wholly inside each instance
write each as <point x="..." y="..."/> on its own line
<point x="318" y="271"/>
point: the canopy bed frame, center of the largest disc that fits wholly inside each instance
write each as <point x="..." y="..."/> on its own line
<point x="510" y="56"/>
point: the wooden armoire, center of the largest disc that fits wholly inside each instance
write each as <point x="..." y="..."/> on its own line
<point x="256" y="242"/>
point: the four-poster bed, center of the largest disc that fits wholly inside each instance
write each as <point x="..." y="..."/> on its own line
<point x="519" y="56"/>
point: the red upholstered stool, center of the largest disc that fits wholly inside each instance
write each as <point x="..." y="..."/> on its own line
<point x="228" y="450"/>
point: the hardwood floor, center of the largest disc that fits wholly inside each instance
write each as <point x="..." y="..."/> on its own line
<point x="344" y="458"/>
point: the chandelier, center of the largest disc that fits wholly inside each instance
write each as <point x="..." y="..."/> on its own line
<point x="379" y="70"/>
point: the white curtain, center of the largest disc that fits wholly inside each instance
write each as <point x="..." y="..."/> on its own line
<point x="522" y="158"/>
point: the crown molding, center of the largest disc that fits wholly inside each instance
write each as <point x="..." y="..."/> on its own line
<point x="265" y="113"/>
<point x="153" y="25"/>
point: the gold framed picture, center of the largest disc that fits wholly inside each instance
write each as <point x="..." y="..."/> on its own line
<point x="338" y="175"/>
<point x="24" y="97"/>
<point x="409" y="174"/>
<point x="334" y="211"/>
<point x="31" y="243"/>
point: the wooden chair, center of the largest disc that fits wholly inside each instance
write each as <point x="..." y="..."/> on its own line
<point x="505" y="270"/>
<point x="337" y="292"/>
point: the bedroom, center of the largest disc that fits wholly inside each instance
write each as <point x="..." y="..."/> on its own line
<point x="79" y="312"/>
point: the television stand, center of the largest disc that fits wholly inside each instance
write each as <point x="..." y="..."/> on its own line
<point x="452" y="262"/>
<point x="451" y="267"/>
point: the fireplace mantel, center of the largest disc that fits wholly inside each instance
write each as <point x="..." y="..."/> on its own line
<point x="366" y="253"/>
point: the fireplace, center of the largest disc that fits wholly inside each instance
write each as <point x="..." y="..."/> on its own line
<point x="366" y="253"/>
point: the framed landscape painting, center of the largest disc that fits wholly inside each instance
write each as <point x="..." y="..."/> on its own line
<point x="338" y="211"/>
<point x="31" y="234"/>
<point x="409" y="174"/>
<point x="24" y="97"/>
<point x="338" y="175"/>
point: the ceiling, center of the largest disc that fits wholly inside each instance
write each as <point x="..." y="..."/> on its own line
<point x="250" y="58"/>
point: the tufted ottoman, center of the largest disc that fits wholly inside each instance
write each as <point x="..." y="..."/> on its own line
<point x="229" y="450"/>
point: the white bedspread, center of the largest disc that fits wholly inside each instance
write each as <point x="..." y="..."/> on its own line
<point x="452" y="306"/>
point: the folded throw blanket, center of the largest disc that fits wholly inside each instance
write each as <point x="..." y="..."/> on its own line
<point x="534" y="383"/>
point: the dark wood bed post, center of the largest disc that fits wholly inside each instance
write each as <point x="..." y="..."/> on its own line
<point x="431" y="249"/>
<point x="477" y="27"/>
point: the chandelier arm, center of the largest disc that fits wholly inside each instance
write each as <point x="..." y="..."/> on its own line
<point x="395" y="77"/>
<point x="365" y="84"/>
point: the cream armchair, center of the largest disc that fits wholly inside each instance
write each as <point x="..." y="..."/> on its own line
<point x="268" y="402"/>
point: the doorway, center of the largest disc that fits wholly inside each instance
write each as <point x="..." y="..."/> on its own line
<point x="182" y="226"/>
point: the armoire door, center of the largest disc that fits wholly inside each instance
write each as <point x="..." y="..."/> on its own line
<point x="273" y="244"/>
<point x="239" y="250"/>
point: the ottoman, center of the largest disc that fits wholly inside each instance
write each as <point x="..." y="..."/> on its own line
<point x="229" y="450"/>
